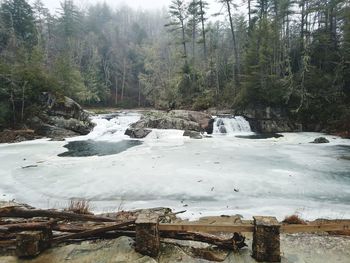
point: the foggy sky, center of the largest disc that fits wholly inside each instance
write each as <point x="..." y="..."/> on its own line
<point x="53" y="5"/>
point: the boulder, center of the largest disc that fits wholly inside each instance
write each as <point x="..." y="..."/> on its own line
<point x="178" y="120"/>
<point x="137" y="133"/>
<point x="222" y="129"/>
<point x="61" y="117"/>
<point x="75" y="125"/>
<point x="64" y="107"/>
<point x="193" y="134"/>
<point x="320" y="140"/>
<point x="219" y="122"/>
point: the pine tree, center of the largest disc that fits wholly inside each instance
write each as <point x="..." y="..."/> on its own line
<point x="17" y="16"/>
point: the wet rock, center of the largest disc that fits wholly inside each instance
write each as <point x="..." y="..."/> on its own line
<point x="60" y="117"/>
<point x="222" y="129"/>
<point x="64" y="107"/>
<point x="321" y="140"/>
<point x="137" y="133"/>
<point x="274" y="125"/>
<point x="52" y="131"/>
<point x="193" y="134"/>
<point x="178" y="120"/>
<point x="219" y="122"/>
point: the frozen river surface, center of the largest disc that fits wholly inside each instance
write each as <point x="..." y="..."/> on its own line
<point x="213" y="176"/>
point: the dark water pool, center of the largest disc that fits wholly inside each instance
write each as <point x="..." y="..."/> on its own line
<point x="97" y="148"/>
<point x="260" y="136"/>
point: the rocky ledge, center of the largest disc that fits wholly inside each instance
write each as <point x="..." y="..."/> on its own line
<point x="177" y="119"/>
<point x="269" y="120"/>
<point x="60" y="118"/>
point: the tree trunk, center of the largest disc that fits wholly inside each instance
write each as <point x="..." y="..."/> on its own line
<point x="116" y="91"/>
<point x="184" y="39"/>
<point x="22" y="110"/>
<point x="249" y="15"/>
<point x="203" y="29"/>
<point x="124" y="77"/>
<point x="236" y="67"/>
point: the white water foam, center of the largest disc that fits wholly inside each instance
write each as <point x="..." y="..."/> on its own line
<point x="231" y="125"/>
<point x="110" y="128"/>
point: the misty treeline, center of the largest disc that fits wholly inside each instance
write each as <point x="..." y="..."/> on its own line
<point x="288" y="54"/>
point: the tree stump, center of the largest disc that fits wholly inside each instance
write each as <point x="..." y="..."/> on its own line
<point x="147" y="235"/>
<point x="266" y="239"/>
<point x="32" y="243"/>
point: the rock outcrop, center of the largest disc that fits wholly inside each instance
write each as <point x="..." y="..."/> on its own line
<point x="273" y="125"/>
<point x="320" y="140"/>
<point x="137" y="133"/>
<point x="269" y="120"/>
<point x="193" y="134"/>
<point x="61" y="118"/>
<point x="178" y="120"/>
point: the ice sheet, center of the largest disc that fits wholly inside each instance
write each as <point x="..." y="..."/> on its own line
<point x="212" y="176"/>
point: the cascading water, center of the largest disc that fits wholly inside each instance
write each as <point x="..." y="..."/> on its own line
<point x="231" y="125"/>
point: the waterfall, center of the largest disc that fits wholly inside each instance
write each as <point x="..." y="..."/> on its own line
<point x="231" y="125"/>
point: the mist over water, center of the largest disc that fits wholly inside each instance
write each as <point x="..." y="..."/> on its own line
<point x="213" y="176"/>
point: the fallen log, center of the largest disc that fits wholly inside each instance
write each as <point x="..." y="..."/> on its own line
<point x="30" y="213"/>
<point x="8" y="243"/>
<point x="74" y="228"/>
<point x="27" y="226"/>
<point x="231" y="243"/>
<point x="93" y="232"/>
<point x="6" y="237"/>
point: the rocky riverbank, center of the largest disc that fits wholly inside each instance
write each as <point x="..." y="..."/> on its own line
<point x="58" y="118"/>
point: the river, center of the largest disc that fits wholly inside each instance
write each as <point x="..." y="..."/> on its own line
<point x="220" y="174"/>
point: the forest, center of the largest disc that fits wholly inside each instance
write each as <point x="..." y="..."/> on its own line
<point x="288" y="54"/>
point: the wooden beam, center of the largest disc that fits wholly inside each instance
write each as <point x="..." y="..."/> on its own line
<point x="93" y="232"/>
<point x="314" y="228"/>
<point x="8" y="243"/>
<point x="205" y="228"/>
<point x="250" y="228"/>
<point x="26" y="226"/>
<point x="16" y="212"/>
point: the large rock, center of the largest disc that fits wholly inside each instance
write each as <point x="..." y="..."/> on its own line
<point x="193" y="134"/>
<point x="137" y="133"/>
<point x="178" y="120"/>
<point x="61" y="118"/>
<point x="269" y="119"/>
<point x="321" y="140"/>
<point x="64" y="107"/>
<point x="75" y="125"/>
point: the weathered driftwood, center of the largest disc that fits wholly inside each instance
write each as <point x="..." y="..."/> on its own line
<point x="107" y="235"/>
<point x="76" y="228"/>
<point x="26" y="226"/>
<point x="7" y="236"/>
<point x="7" y="243"/>
<point x="93" y="232"/>
<point x="16" y="212"/>
<point x="201" y="237"/>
